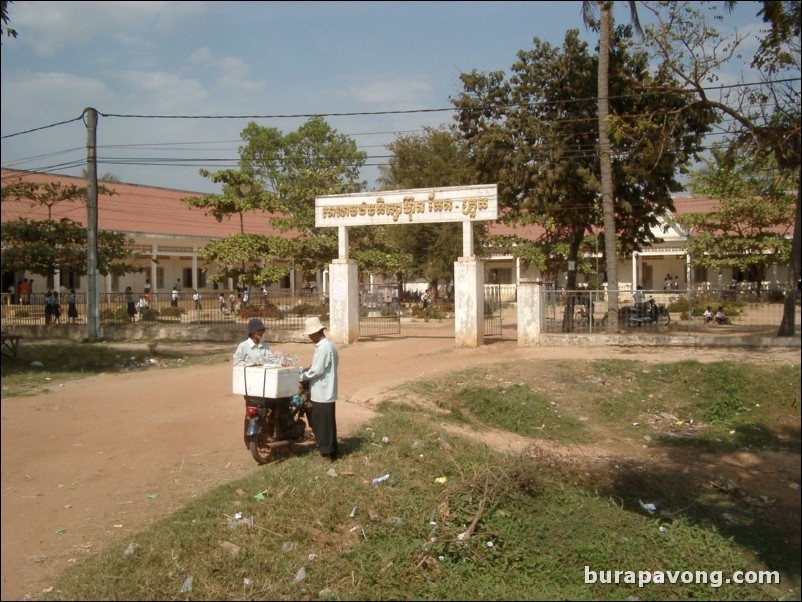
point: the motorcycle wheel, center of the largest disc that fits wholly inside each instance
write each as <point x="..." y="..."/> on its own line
<point x="260" y="450"/>
<point x="664" y="318"/>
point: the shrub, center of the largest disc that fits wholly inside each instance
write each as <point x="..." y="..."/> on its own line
<point x="148" y="314"/>
<point x="172" y="312"/>
<point x="306" y="309"/>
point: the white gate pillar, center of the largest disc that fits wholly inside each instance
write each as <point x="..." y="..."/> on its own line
<point x="531" y="313"/>
<point x="469" y="301"/>
<point x="343" y="302"/>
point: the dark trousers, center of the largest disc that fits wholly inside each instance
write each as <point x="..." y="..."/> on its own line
<point x="324" y="425"/>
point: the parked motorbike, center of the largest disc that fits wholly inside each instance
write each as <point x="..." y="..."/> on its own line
<point x="644" y="314"/>
<point x="273" y="426"/>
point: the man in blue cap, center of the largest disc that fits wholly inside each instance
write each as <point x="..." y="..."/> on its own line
<point x="253" y="351"/>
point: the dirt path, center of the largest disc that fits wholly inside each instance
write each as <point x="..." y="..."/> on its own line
<point x="96" y="460"/>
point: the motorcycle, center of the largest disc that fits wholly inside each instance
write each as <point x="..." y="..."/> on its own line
<point x="644" y="314"/>
<point x="274" y="425"/>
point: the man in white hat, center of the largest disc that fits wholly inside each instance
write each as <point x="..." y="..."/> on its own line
<point x="322" y="377"/>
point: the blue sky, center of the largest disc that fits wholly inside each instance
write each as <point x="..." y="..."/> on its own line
<point x="247" y="59"/>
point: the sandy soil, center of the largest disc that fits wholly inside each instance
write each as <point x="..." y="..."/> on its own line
<point x="93" y="461"/>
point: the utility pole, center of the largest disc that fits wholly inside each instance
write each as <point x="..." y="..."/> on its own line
<point x="93" y="296"/>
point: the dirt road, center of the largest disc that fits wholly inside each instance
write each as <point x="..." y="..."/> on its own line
<point x="93" y="461"/>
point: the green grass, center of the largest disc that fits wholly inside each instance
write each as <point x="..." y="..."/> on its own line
<point x="61" y="362"/>
<point x="459" y="521"/>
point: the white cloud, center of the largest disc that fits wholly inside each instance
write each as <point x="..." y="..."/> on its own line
<point x="391" y="93"/>
<point x="50" y="27"/>
<point x="234" y="72"/>
<point x="164" y="91"/>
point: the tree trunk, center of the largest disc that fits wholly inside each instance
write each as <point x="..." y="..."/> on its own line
<point x="788" y="324"/>
<point x="606" y="166"/>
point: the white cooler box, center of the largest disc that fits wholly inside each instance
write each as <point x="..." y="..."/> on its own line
<point x="266" y="381"/>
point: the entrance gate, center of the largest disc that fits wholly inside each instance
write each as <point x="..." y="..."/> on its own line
<point x="492" y="310"/>
<point x="379" y="309"/>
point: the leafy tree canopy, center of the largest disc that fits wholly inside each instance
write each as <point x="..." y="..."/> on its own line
<point x="750" y="227"/>
<point x="535" y="134"/>
<point x="436" y="158"/>
<point x="45" y="246"/>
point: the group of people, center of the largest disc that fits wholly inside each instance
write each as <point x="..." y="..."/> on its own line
<point x="320" y="376"/>
<point x="717" y="318"/>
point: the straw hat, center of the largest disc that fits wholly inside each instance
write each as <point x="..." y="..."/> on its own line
<point x="312" y="326"/>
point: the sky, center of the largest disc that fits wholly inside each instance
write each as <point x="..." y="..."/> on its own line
<point x="214" y="67"/>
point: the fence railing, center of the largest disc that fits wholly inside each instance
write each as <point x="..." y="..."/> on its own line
<point x="279" y="310"/>
<point x="745" y="313"/>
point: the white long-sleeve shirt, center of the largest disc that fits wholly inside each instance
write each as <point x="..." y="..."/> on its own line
<point x="322" y="374"/>
<point x="249" y="353"/>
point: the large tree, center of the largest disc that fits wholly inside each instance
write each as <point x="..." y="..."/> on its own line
<point x="295" y="168"/>
<point x="46" y="246"/>
<point x="749" y="228"/>
<point x="436" y="158"/>
<point x="280" y="175"/>
<point x="536" y="134"/>
<point x="762" y="116"/>
<point x="243" y="257"/>
<point x="604" y="26"/>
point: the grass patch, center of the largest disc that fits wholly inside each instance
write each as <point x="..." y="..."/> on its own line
<point x="39" y="365"/>
<point x="497" y="527"/>
<point x="457" y="520"/>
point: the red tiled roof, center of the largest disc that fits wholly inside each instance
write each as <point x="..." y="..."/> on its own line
<point x="534" y="232"/>
<point x="136" y="209"/>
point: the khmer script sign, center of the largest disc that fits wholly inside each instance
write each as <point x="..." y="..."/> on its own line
<point x="417" y="206"/>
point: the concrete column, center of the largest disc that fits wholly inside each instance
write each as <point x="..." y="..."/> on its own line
<point x="469" y="298"/>
<point x="531" y="313"/>
<point x="343" y="302"/>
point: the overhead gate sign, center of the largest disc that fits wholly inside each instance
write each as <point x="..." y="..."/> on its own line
<point x="416" y="206"/>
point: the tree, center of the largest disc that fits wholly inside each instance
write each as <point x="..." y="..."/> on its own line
<point x="749" y="228"/>
<point x="535" y="134"/>
<point x="48" y="195"/>
<point x="605" y="29"/>
<point x="281" y="175"/>
<point x="240" y="256"/>
<point x="295" y="168"/>
<point x="763" y="117"/>
<point x="437" y="158"/>
<point x="5" y="29"/>
<point x="45" y="246"/>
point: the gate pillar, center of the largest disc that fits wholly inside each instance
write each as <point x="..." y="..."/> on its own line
<point x="343" y="302"/>
<point x="531" y="314"/>
<point x="469" y="325"/>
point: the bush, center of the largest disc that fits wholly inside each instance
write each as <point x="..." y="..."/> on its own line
<point x="148" y="315"/>
<point x="171" y="312"/>
<point x="776" y="296"/>
<point x="270" y="311"/>
<point x="306" y="309"/>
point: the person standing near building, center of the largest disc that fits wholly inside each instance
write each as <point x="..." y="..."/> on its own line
<point x="130" y="305"/>
<point x="174" y="297"/>
<point x="197" y="299"/>
<point x="322" y="378"/>
<point x="72" y="307"/>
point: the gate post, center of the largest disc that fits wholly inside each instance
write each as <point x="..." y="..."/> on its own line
<point x="469" y="299"/>
<point x="343" y="302"/>
<point x="531" y="313"/>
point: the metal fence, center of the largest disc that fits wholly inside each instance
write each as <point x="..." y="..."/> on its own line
<point x="279" y="311"/>
<point x="745" y="313"/>
<point x="379" y="309"/>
